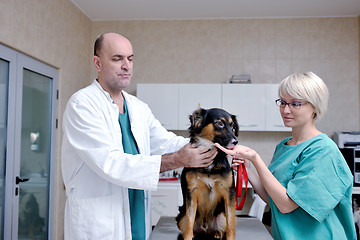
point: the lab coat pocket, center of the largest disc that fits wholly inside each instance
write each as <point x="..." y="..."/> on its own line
<point x="96" y="218"/>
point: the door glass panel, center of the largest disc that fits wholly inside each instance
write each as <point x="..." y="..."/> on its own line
<point x="35" y="156"/>
<point x="4" y="76"/>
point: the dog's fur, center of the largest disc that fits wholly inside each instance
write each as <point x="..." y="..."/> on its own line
<point x="208" y="210"/>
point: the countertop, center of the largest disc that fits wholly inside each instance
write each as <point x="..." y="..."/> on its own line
<point x="246" y="228"/>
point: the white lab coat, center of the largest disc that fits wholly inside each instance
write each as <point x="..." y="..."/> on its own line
<point x="96" y="171"/>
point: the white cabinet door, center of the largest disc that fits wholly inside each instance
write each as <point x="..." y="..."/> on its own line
<point x="247" y="102"/>
<point x="253" y="104"/>
<point x="193" y="96"/>
<point x="165" y="201"/>
<point x="163" y="100"/>
<point x="274" y="121"/>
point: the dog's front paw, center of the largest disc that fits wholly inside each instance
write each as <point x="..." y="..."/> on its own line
<point x="218" y="235"/>
<point x="188" y="235"/>
<point x="188" y="238"/>
<point x="230" y="236"/>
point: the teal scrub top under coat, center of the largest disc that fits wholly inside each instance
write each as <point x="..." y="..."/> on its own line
<point x="136" y="197"/>
<point x="319" y="180"/>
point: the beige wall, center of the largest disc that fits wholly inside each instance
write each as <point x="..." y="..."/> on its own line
<point x="57" y="33"/>
<point x="198" y="51"/>
<point x="210" y="51"/>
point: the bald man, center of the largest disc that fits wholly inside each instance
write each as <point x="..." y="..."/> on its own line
<point x="113" y="151"/>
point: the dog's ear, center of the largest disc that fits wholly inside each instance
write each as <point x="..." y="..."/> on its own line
<point x="197" y="118"/>
<point x="236" y="125"/>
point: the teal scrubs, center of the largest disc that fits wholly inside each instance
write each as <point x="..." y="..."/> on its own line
<point x="319" y="180"/>
<point x="136" y="197"/>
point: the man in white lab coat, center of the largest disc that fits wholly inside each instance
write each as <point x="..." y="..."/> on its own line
<point x="113" y="150"/>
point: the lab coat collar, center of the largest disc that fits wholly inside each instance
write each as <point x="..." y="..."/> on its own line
<point x="114" y="106"/>
<point x="107" y="95"/>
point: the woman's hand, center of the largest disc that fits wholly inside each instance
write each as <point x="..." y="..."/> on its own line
<point x="239" y="153"/>
<point x="265" y="183"/>
<point x="236" y="162"/>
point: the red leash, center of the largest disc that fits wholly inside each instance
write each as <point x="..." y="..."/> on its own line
<point x="241" y="174"/>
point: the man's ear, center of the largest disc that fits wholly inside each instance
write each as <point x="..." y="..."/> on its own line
<point x="97" y="63"/>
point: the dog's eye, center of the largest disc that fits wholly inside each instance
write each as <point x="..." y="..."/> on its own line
<point x="220" y="124"/>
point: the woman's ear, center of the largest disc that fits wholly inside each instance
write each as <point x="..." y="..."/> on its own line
<point x="315" y="115"/>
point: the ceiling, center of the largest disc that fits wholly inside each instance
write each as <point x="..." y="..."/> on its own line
<point x="108" y="10"/>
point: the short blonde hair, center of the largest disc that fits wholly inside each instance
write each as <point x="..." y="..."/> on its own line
<point x="307" y="87"/>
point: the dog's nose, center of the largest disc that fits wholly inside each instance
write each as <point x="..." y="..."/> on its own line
<point x="234" y="141"/>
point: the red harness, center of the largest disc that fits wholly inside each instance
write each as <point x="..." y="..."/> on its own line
<point x="241" y="174"/>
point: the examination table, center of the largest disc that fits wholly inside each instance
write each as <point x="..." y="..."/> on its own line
<point x="246" y="228"/>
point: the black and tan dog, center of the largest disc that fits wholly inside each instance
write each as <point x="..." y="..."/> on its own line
<point x="208" y="210"/>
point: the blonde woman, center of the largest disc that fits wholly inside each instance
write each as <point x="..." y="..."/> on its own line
<point x="308" y="184"/>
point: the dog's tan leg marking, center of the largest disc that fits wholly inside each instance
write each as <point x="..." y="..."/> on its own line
<point x="188" y="232"/>
<point x="220" y="225"/>
<point x="230" y="218"/>
<point x="188" y="220"/>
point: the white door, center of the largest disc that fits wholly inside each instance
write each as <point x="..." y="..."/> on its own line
<point x="28" y="126"/>
<point x="5" y="71"/>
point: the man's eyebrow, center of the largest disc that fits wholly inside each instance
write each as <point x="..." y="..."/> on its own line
<point x="122" y="56"/>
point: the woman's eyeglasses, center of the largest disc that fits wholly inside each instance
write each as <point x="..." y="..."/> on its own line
<point x="293" y="105"/>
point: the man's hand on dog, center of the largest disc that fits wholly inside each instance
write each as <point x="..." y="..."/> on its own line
<point x="195" y="157"/>
<point x="188" y="156"/>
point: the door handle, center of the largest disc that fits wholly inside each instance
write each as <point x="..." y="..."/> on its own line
<point x="19" y="180"/>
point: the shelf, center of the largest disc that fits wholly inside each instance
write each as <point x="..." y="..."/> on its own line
<point x="356" y="190"/>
